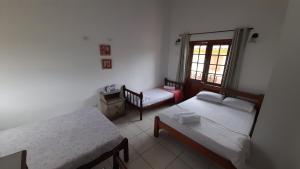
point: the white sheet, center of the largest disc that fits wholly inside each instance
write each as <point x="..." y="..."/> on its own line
<point x="219" y="139"/>
<point x="64" y="142"/>
<point x="154" y="96"/>
<point x="233" y="119"/>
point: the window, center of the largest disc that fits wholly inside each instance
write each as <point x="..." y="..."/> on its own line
<point x="208" y="60"/>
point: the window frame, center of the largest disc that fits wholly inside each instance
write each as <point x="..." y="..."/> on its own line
<point x="208" y="55"/>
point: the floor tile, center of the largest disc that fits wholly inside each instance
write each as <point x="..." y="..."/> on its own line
<point x="194" y="159"/>
<point x="168" y="141"/>
<point x="130" y="131"/>
<point x="178" y="164"/>
<point x="150" y="116"/>
<point x="163" y="134"/>
<point x="139" y="163"/>
<point x="133" y="154"/>
<point x="144" y="124"/>
<point x="121" y="122"/>
<point x="158" y="157"/>
<point x="142" y="142"/>
<point x="133" y="118"/>
<point x="150" y="132"/>
<point x="133" y="115"/>
<point x="171" y="144"/>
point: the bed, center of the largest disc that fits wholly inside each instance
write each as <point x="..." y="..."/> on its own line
<point x="223" y="134"/>
<point x="153" y="97"/>
<point x="80" y="140"/>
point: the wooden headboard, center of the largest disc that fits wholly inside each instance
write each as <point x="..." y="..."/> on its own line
<point x="257" y="99"/>
<point x="177" y="85"/>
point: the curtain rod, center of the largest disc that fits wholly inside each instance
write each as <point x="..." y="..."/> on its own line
<point x="230" y="30"/>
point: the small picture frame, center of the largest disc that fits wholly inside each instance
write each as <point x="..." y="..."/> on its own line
<point x="106" y="64"/>
<point x="105" y="50"/>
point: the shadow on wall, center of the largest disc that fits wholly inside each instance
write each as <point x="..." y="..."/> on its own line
<point x="258" y="159"/>
<point x="91" y="101"/>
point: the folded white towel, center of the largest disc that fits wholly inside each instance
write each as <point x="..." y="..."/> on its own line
<point x="189" y="118"/>
<point x="178" y="114"/>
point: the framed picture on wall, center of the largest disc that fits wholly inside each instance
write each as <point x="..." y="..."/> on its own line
<point x="106" y="64"/>
<point x="105" y="50"/>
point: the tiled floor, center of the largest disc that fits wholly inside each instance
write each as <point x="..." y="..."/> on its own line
<point x="148" y="152"/>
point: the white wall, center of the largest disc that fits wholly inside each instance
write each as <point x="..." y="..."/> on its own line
<point x="46" y="66"/>
<point x="265" y="16"/>
<point x="276" y="137"/>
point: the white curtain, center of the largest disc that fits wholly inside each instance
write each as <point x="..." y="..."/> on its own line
<point x="183" y="69"/>
<point x="232" y="71"/>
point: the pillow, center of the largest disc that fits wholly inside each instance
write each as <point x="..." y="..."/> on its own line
<point x="169" y="87"/>
<point x="210" y="96"/>
<point x="239" y="104"/>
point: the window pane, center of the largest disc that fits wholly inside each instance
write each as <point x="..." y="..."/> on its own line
<point x="220" y="70"/>
<point x="203" y="49"/>
<point x="196" y="49"/>
<point x="212" y="69"/>
<point x="222" y="60"/>
<point x="201" y="58"/>
<point x="200" y="67"/>
<point x="194" y="66"/>
<point x="193" y="75"/>
<point x="214" y="60"/>
<point x="195" y="58"/>
<point x="218" y="79"/>
<point x="199" y="76"/>
<point x="209" y="66"/>
<point x="210" y="78"/>
<point x="215" y="50"/>
<point x="224" y="49"/>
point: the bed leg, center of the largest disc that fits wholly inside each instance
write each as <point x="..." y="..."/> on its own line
<point x="156" y="126"/>
<point x="115" y="160"/>
<point x="141" y="114"/>
<point x="126" y="150"/>
<point x="125" y="107"/>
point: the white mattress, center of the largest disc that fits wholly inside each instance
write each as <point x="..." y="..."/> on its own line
<point x="219" y="130"/>
<point x="154" y="96"/>
<point x="64" y="142"/>
<point x="233" y="119"/>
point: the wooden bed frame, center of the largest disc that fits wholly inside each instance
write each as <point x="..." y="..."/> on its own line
<point x="117" y="162"/>
<point x="136" y="99"/>
<point x="23" y="160"/>
<point x="225" y="163"/>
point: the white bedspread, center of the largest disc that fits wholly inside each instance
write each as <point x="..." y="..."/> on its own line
<point x="234" y="119"/>
<point x="64" y="142"/>
<point x="154" y="96"/>
<point x="214" y="136"/>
